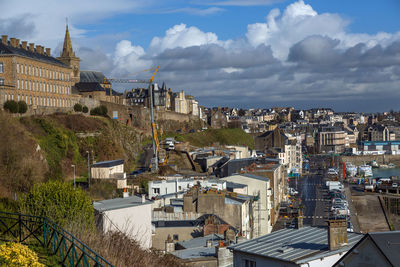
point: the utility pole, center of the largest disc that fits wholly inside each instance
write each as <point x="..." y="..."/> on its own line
<point x="74" y="175"/>
<point x="88" y="166"/>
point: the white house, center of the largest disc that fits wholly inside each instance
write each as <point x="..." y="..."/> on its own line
<point x="130" y="215"/>
<point x="108" y="170"/>
<point x="304" y="246"/>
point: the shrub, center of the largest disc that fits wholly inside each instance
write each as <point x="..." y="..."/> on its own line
<point x="61" y="203"/>
<point x="85" y="109"/>
<point x="18" y="255"/>
<point x="99" y="111"/>
<point x="22" y="107"/>
<point x="78" y="107"/>
<point x="11" y="106"/>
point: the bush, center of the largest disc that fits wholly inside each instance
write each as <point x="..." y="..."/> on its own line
<point x="22" y="107"/>
<point x="18" y="255"/>
<point x="85" y="109"/>
<point x="59" y="202"/>
<point x="11" y="106"/>
<point x="78" y="107"/>
<point x="99" y="111"/>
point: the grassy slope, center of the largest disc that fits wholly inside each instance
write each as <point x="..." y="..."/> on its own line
<point x="221" y="136"/>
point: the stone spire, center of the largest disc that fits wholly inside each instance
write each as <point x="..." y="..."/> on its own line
<point x="67" y="49"/>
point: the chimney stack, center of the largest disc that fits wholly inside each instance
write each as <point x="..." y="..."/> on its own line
<point x="48" y="51"/>
<point x="4" y="39"/>
<point x="337" y="234"/>
<point x="143" y="198"/>
<point x="24" y="45"/>
<point x="17" y="43"/>
<point x="169" y="244"/>
<point x="209" y="243"/>
<point x="32" y="47"/>
<point x="13" y="41"/>
<point x="299" y="222"/>
<point x="125" y="193"/>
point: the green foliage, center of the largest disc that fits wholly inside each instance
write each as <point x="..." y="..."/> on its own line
<point x="22" y="107"/>
<point x="11" y="106"/>
<point x="99" y="111"/>
<point x="85" y="109"/>
<point x="59" y="202"/>
<point x="9" y="205"/>
<point x="222" y="136"/>
<point x="57" y="143"/>
<point x="78" y="107"/>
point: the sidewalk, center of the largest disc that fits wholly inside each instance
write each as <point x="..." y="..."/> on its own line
<point x="353" y="211"/>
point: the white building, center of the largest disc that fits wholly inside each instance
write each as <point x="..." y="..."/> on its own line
<point x="306" y="247"/>
<point x="130" y="215"/>
<point x="170" y="187"/>
<point x="108" y="170"/>
<point x="260" y="187"/>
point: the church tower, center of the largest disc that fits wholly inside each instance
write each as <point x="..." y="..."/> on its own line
<point x="68" y="57"/>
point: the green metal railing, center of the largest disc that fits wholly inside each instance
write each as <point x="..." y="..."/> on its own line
<point x="70" y="250"/>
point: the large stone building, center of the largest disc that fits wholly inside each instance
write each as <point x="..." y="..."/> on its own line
<point x="31" y="74"/>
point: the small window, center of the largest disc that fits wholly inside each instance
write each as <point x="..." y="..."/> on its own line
<point x="156" y="190"/>
<point x="249" y="263"/>
<point x="176" y="237"/>
<point x="1" y="67"/>
<point x="1" y="81"/>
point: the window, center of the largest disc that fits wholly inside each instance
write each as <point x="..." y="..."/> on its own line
<point x="249" y="263"/>
<point x="17" y="67"/>
<point x="176" y="237"/>
<point x="1" y="81"/>
<point x="1" y="67"/>
<point x="156" y="190"/>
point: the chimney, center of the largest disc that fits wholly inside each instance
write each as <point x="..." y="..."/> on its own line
<point x="169" y="245"/>
<point x="143" y="198"/>
<point x="17" y="43"/>
<point x="48" y="51"/>
<point x="24" y="45"/>
<point x="32" y="47"/>
<point x="13" y="41"/>
<point x="209" y="243"/>
<point x="4" y="39"/>
<point x="337" y="234"/>
<point x="299" y="222"/>
<point x="125" y="193"/>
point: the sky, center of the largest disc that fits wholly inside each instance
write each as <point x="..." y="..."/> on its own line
<point x="238" y="53"/>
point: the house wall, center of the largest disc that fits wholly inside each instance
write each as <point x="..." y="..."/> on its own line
<point x="184" y="233"/>
<point x="240" y="257"/>
<point x="105" y="172"/>
<point x="255" y="187"/>
<point x="133" y="221"/>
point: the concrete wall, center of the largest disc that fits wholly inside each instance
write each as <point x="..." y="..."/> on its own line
<point x="133" y="221"/>
<point x="105" y="172"/>
<point x="184" y="233"/>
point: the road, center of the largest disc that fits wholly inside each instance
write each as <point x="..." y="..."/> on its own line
<point x="313" y="196"/>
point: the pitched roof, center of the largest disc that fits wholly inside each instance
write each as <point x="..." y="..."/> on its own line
<point x="389" y="244"/>
<point x="88" y="86"/>
<point x="87" y="76"/>
<point x="119" y="203"/>
<point x="10" y="50"/>
<point x="295" y="245"/>
<point x="108" y="163"/>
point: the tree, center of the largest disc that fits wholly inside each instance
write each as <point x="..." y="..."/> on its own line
<point x="85" y="109"/>
<point x="242" y="112"/>
<point x="78" y="107"/>
<point x="99" y="111"/>
<point x="59" y="202"/>
<point x="11" y="106"/>
<point x="22" y="107"/>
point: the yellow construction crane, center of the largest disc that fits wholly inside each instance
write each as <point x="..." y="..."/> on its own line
<point x="156" y="142"/>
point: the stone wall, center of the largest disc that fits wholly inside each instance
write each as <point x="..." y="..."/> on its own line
<point x="380" y="159"/>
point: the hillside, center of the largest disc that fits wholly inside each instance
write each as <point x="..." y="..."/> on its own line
<point x="221" y="136"/>
<point x="40" y="148"/>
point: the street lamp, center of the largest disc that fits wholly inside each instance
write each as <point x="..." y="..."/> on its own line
<point x="88" y="166"/>
<point x="73" y="166"/>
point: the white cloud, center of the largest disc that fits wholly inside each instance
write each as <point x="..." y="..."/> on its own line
<point x="182" y="36"/>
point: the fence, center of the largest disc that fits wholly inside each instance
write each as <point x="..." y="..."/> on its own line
<point x="70" y="250"/>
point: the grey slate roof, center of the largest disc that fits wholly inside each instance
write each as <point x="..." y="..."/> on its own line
<point x="88" y="86"/>
<point x="295" y="245"/>
<point x="8" y="50"/>
<point x="389" y="245"/>
<point x="87" y="76"/>
<point x="201" y="241"/>
<point x="108" y="163"/>
<point x="193" y="253"/>
<point x="119" y="203"/>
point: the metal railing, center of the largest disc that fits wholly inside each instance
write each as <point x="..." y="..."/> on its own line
<point x="71" y="251"/>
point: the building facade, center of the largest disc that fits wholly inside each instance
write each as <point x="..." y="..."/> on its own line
<point x="31" y="74"/>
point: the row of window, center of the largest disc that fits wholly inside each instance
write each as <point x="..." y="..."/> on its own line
<point x="42" y="72"/>
<point x="40" y="100"/>
<point x="43" y="87"/>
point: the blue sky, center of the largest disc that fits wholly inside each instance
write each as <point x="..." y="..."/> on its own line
<point x="238" y="53"/>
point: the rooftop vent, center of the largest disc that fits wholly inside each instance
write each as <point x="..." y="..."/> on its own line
<point x="285" y="249"/>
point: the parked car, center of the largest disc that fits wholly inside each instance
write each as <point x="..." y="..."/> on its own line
<point x="292" y="191"/>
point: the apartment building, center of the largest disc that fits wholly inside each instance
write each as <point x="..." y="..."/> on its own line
<point x="31" y="74"/>
<point x="331" y="139"/>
